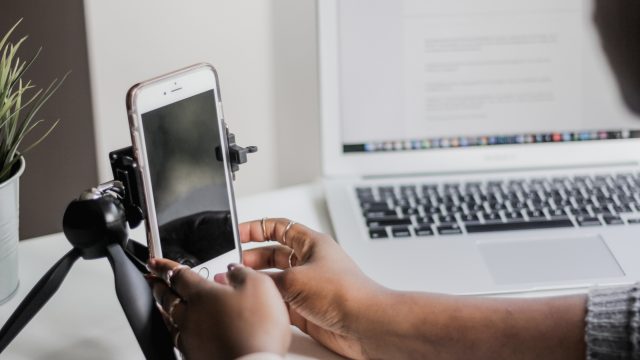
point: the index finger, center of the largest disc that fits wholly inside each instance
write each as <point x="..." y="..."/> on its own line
<point x="297" y="236"/>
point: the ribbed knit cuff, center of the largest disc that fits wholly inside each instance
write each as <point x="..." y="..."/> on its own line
<point x="613" y="323"/>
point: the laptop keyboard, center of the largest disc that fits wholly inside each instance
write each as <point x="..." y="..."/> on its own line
<point x="519" y="204"/>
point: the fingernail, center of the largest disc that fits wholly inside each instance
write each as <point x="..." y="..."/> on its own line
<point x="233" y="266"/>
<point x="220" y="278"/>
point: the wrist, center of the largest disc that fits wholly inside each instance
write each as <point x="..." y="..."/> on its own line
<point x="361" y="307"/>
<point x="396" y="324"/>
<point x="374" y="317"/>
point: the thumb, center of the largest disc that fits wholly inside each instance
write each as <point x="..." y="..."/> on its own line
<point x="244" y="278"/>
<point x="237" y="275"/>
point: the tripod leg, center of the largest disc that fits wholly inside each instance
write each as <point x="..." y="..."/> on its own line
<point x="37" y="298"/>
<point x="139" y="306"/>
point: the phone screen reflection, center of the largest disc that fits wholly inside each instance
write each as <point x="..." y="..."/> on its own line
<point x="189" y="182"/>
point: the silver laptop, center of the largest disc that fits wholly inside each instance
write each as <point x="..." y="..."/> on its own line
<point x="477" y="146"/>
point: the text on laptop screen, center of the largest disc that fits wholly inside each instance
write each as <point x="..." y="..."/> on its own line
<point x="421" y="74"/>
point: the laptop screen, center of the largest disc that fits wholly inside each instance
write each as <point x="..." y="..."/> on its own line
<point x="425" y="74"/>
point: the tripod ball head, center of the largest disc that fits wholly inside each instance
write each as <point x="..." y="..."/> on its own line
<point x="90" y="224"/>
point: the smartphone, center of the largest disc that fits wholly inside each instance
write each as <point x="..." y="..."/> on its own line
<point x="180" y="143"/>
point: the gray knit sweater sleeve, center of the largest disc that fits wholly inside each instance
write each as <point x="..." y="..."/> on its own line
<point x="613" y="323"/>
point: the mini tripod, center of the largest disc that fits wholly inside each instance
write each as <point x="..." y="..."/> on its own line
<point x="96" y="226"/>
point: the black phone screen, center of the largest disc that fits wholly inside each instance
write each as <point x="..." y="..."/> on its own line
<point x="189" y="183"/>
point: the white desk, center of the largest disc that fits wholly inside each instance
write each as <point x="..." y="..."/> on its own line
<point x="84" y="319"/>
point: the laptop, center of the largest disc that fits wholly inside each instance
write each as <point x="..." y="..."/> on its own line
<point x="477" y="146"/>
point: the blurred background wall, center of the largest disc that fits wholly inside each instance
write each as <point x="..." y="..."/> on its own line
<point x="265" y="53"/>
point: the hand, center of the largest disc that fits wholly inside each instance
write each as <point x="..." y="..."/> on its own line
<point x="330" y="299"/>
<point x="326" y="292"/>
<point x="213" y="321"/>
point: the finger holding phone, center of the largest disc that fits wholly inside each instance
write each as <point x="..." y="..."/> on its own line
<point x="212" y="321"/>
<point x="326" y="292"/>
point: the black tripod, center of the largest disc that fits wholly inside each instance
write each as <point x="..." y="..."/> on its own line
<point x="96" y="226"/>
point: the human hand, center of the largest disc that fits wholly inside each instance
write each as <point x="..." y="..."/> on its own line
<point x="212" y="321"/>
<point x="326" y="292"/>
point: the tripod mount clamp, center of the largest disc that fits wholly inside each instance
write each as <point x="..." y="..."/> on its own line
<point x="237" y="153"/>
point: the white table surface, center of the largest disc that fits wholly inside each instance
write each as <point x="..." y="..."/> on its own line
<point x="84" y="319"/>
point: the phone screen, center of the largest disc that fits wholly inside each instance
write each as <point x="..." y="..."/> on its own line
<point x="189" y="182"/>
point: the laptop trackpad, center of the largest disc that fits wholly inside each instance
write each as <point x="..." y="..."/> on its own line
<point x="549" y="260"/>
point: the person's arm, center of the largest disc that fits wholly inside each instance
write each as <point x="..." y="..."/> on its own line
<point x="334" y="302"/>
<point x="453" y="327"/>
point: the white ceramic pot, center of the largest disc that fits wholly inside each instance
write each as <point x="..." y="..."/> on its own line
<point x="9" y="235"/>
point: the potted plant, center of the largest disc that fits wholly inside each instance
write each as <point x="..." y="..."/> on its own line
<point x="20" y="101"/>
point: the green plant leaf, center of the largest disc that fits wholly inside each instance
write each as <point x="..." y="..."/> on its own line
<point x="26" y="126"/>
<point x="4" y="70"/>
<point x="11" y="132"/>
<point x="26" y="66"/>
<point x="46" y="95"/>
<point x="10" y="76"/>
<point x="16" y="114"/>
<point x="35" y="143"/>
<point x="6" y="36"/>
<point x="18" y="94"/>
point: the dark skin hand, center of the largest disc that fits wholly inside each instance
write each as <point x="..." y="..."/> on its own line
<point x="222" y="321"/>
<point x="330" y="299"/>
<point x="322" y="288"/>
